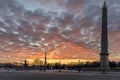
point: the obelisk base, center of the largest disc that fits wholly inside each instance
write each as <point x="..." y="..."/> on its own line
<point x="104" y="64"/>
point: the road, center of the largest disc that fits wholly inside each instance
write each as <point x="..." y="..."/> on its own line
<point x="55" y="75"/>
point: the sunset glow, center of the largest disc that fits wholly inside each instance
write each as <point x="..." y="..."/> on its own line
<point x="67" y="30"/>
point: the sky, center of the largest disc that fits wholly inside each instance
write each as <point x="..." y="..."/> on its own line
<point x="64" y="29"/>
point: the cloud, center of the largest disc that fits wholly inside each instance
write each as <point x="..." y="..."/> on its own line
<point x="56" y="26"/>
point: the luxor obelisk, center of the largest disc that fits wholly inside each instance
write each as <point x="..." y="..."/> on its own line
<point x="104" y="41"/>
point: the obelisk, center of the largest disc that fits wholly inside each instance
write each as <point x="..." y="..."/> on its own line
<point x="104" y="41"/>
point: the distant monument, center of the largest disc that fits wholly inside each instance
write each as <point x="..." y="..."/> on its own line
<point x="104" y="64"/>
<point x="45" y="62"/>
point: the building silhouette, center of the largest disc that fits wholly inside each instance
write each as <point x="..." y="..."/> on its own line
<point x="104" y="61"/>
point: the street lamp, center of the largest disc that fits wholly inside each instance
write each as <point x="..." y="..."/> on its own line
<point x="59" y="66"/>
<point x="79" y="65"/>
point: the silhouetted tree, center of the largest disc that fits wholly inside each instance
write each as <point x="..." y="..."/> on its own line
<point x="38" y="62"/>
<point x="113" y="64"/>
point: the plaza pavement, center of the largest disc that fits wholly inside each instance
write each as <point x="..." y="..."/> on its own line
<point x="56" y="75"/>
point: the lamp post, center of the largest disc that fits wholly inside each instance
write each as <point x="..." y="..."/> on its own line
<point x="59" y="66"/>
<point x="79" y="65"/>
<point x="71" y="66"/>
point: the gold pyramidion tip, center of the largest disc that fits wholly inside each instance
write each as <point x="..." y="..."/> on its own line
<point x="104" y="5"/>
